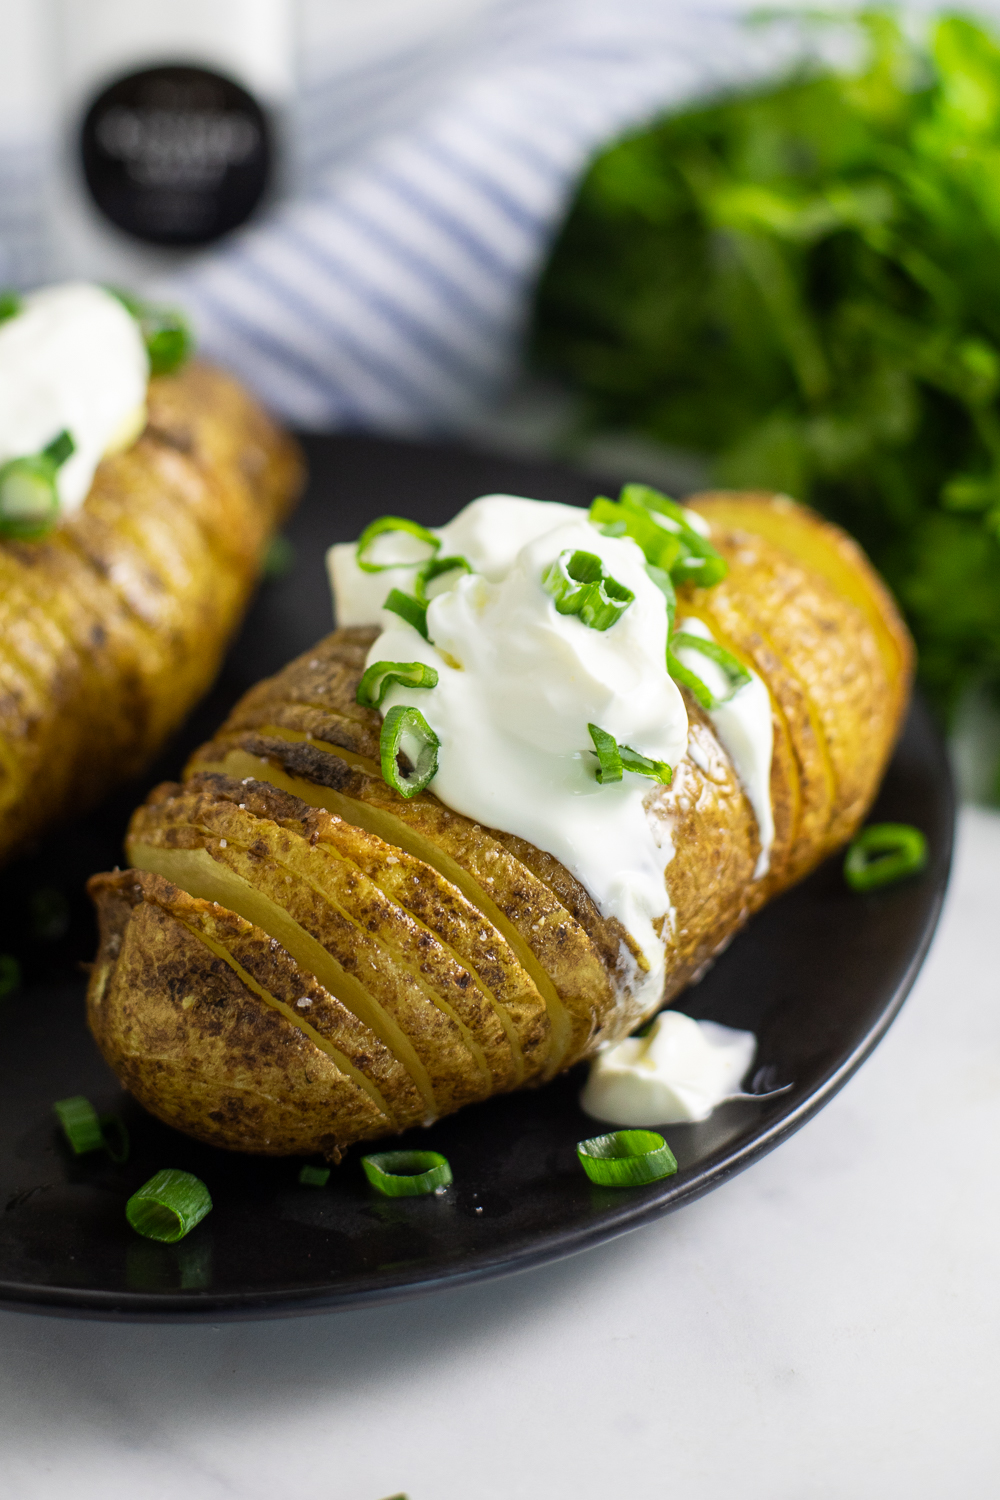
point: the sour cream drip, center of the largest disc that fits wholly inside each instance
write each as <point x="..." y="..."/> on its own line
<point x="518" y="684"/>
<point x="675" y="1075"/>
<point x="746" y="731"/>
<point x="71" y="358"/>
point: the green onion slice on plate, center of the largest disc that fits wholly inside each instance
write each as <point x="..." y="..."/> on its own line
<point x="626" y="1158"/>
<point x="29" y="498"/>
<point x="405" y="731"/>
<point x="311" y="1176"/>
<point x="386" y="526"/>
<point x="168" y="1206"/>
<point x="407" y="1174"/>
<point x="579" y="585"/>
<point x="80" y="1124"/>
<point x="735" y="672"/>
<point x="884" y="853"/>
<point x="412" y="610"/>
<point x="613" y="759"/>
<point x="381" y="676"/>
<point x="436" y="568"/>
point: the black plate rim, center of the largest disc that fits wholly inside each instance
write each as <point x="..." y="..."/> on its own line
<point x="627" y="1212"/>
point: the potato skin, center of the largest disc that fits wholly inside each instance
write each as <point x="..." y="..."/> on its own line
<point x="114" y="625"/>
<point x="292" y="778"/>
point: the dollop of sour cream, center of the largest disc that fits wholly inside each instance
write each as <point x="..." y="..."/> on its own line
<point x="519" y="683"/>
<point x="676" y="1074"/>
<point x="72" y="358"/>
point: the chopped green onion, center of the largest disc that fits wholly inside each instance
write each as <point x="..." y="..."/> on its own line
<point x="314" y="1176"/>
<point x="609" y="762"/>
<point x="278" y="559"/>
<point x="642" y="765"/>
<point x="383" y="527"/>
<point x="10" y="975"/>
<point x="579" y="585"/>
<point x="29" y="499"/>
<point x="884" y="853"/>
<point x="409" y="609"/>
<point x="613" y="759"/>
<point x="87" y="1131"/>
<point x="407" y="1174"/>
<point x="438" y="567"/>
<point x="626" y="1158"/>
<point x="79" y="1121"/>
<point x="164" y="331"/>
<point x="168" y="1206"/>
<point x="736" y="673"/>
<point x="381" y="675"/>
<point x="699" y="562"/>
<point x="661" y="528"/>
<point x="10" y="305"/>
<point x="405" y="731"/>
<point x="682" y="674"/>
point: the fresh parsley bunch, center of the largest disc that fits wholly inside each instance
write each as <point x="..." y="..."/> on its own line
<point x="805" y="285"/>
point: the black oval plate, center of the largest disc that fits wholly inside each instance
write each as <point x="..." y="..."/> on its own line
<point x="819" y="976"/>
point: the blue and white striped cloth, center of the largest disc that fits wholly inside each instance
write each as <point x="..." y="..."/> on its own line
<point x="391" y="290"/>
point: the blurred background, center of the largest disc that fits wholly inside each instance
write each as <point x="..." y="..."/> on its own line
<point x="665" y="239"/>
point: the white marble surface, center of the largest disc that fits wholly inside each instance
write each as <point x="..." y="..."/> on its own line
<point x="825" y="1327"/>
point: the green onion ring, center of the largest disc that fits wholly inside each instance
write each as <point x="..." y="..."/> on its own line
<point x="680" y="673"/>
<point x="80" y="1124"/>
<point x="609" y="762"/>
<point x="665" y="585"/>
<point x="643" y="765"/>
<point x="10" y="975"/>
<point x="407" y="608"/>
<point x="406" y="731"/>
<point x="437" y="567"/>
<point x="168" y="1206"/>
<point x="884" y="853"/>
<point x="29" y="499"/>
<point x="579" y="585"/>
<point x="613" y="759"/>
<point x="381" y="675"/>
<point x="310" y="1176"/>
<point x="407" y="1174"/>
<point x="701" y="557"/>
<point x="382" y="527"/>
<point x="735" y="672"/>
<point x="626" y="1158"/>
<point x="164" y="331"/>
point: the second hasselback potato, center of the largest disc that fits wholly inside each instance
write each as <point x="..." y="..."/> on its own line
<point x="113" y="623"/>
<point x="303" y="956"/>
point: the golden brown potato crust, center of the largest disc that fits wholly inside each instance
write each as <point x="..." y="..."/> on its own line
<point x="114" y="625"/>
<point x="476" y="961"/>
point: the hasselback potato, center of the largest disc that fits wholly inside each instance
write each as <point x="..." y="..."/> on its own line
<point x="114" y="624"/>
<point x="300" y="957"/>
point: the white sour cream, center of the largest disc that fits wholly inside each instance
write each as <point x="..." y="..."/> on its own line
<point x="72" y="358"/>
<point x="746" y="731"/>
<point x="518" y="684"/>
<point x="675" y="1075"/>
<point x="489" y="533"/>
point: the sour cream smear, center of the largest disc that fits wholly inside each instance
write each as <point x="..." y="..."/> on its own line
<point x="71" y="358"/>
